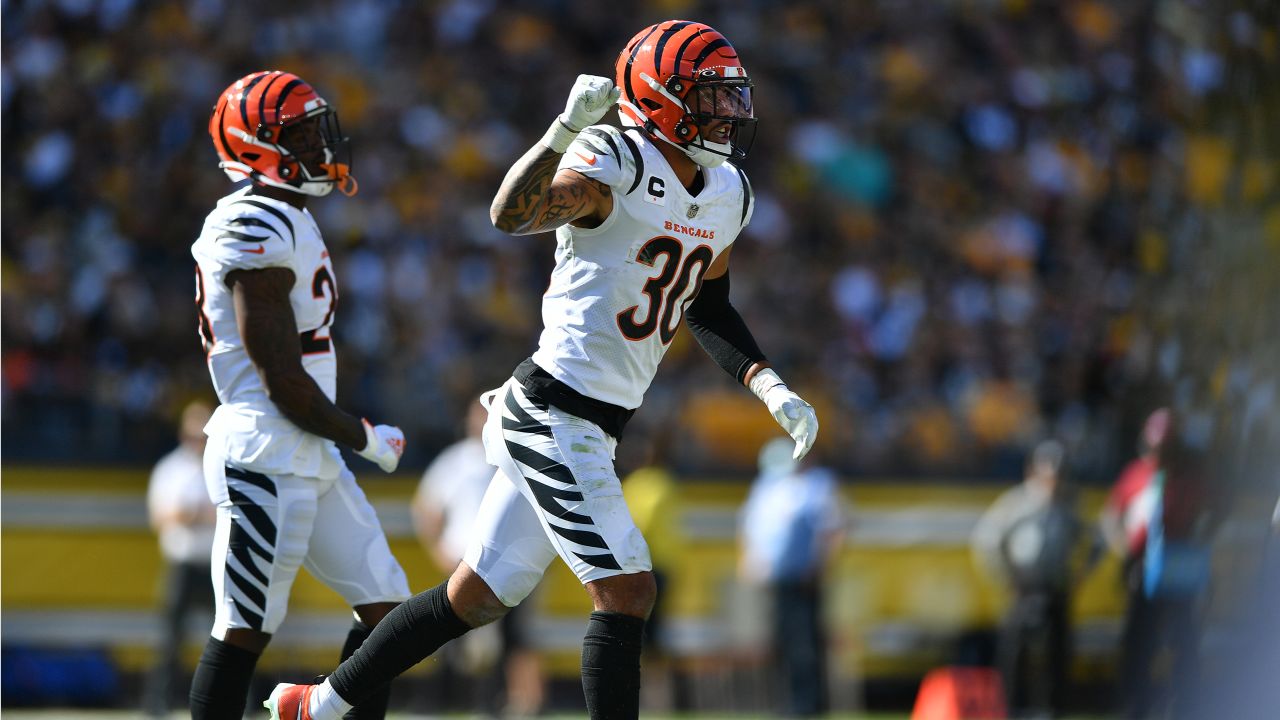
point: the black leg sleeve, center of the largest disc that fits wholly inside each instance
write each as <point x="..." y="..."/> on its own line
<point x="375" y="706"/>
<point x="406" y="636"/>
<point x="611" y="666"/>
<point x="220" y="687"/>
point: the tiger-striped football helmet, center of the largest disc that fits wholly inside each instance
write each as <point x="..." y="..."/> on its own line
<point x="273" y="128"/>
<point x="683" y="83"/>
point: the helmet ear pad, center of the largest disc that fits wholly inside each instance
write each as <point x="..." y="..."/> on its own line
<point x="686" y="128"/>
<point x="287" y="169"/>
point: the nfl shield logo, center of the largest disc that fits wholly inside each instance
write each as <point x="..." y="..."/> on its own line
<point x="693" y="210"/>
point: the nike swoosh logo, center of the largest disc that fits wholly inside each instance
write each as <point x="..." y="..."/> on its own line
<point x="256" y="251"/>
<point x="590" y="160"/>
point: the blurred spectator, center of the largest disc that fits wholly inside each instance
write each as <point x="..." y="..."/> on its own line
<point x="974" y="197"/>
<point x="1127" y="513"/>
<point x="1162" y="506"/>
<point x="791" y="526"/>
<point x="184" y="519"/>
<point x="654" y="500"/>
<point x="1031" y="541"/>
<point x="1124" y="521"/>
<point x="444" y="510"/>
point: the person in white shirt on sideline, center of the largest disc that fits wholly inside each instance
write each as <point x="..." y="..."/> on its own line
<point x="791" y="526"/>
<point x="444" y="513"/>
<point x="183" y="518"/>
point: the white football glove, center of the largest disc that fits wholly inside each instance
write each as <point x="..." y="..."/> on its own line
<point x="384" y="444"/>
<point x="795" y="415"/>
<point x="590" y="98"/>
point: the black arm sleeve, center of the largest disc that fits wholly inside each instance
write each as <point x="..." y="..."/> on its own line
<point x="720" y="330"/>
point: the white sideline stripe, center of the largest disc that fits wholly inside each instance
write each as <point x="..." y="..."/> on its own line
<point x="921" y="525"/>
<point x="301" y="630"/>
<point x="683" y="636"/>
<point x="78" y="628"/>
<point x="913" y="526"/>
<point x="93" y="511"/>
<point x="322" y="631"/>
<point x="909" y="526"/>
<point x="104" y="511"/>
<point x="1093" y="638"/>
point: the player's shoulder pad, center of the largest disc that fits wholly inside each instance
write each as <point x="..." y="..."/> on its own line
<point x="748" y="197"/>
<point x="606" y="154"/>
<point x="248" y="233"/>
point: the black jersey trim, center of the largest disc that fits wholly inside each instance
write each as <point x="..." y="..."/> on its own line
<point x="235" y="236"/>
<point x="255" y="222"/>
<point x="635" y="152"/>
<point x="746" y="195"/>
<point x="279" y="215"/>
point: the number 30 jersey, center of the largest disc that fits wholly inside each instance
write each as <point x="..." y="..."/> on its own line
<point x="618" y="292"/>
<point x="252" y="232"/>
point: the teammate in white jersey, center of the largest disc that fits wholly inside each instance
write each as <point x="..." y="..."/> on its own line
<point x="266" y="296"/>
<point x="644" y="222"/>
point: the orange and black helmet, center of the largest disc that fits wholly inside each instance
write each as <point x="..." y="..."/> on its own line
<point x="272" y="127"/>
<point x="680" y="77"/>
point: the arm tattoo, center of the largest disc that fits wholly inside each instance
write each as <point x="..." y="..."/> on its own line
<point x="529" y="201"/>
<point x="270" y="336"/>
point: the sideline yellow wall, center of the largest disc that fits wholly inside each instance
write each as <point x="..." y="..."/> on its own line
<point x="929" y="586"/>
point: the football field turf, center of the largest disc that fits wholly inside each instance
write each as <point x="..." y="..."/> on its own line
<point x="71" y="714"/>
<point x="78" y="714"/>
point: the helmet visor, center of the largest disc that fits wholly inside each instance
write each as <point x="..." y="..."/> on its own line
<point x="724" y="114"/>
<point x="721" y="101"/>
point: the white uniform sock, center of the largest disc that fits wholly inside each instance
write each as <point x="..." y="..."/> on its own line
<point x="326" y="703"/>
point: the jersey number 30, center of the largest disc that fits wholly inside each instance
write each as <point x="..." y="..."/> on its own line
<point x="665" y="289"/>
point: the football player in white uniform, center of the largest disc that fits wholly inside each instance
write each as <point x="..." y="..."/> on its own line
<point x="266" y="295"/>
<point x="644" y="222"/>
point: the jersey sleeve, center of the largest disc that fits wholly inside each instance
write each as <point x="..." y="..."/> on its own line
<point x="246" y="236"/>
<point x="605" y="154"/>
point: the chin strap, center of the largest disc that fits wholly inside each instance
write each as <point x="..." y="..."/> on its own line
<point x="340" y="173"/>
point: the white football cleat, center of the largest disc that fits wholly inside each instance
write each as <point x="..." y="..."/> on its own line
<point x="290" y="702"/>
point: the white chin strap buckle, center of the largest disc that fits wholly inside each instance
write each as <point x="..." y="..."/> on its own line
<point x="708" y="155"/>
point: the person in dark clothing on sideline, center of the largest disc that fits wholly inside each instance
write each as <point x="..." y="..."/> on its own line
<point x="1031" y="539"/>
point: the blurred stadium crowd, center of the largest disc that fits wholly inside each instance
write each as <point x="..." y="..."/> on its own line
<point x="968" y="213"/>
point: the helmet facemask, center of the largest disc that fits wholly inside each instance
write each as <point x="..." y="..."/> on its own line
<point x="718" y="122"/>
<point x="315" y="155"/>
<point x="721" y="113"/>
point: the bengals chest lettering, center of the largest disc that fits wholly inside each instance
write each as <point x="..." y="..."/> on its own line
<point x="695" y="232"/>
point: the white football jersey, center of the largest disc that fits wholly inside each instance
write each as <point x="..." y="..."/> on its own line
<point x="250" y="232"/>
<point x="618" y="292"/>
